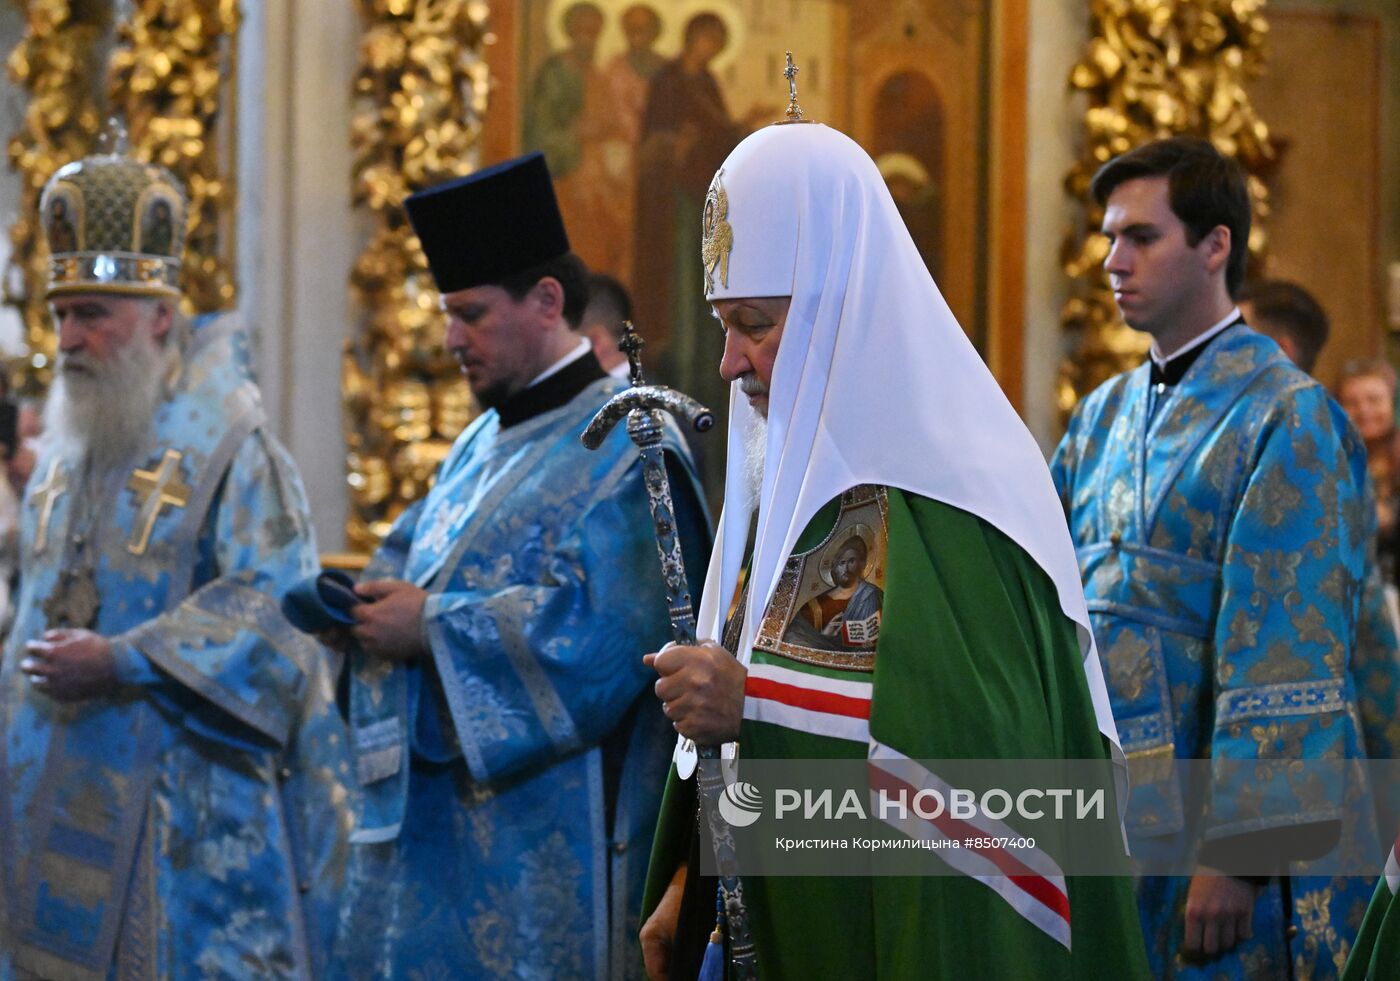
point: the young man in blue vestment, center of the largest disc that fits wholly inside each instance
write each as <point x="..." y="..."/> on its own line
<point x="1216" y="499"/>
<point x="174" y="774"/>
<point x="510" y="753"/>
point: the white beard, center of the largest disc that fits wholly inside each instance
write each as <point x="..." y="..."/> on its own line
<point x="755" y="454"/>
<point x="107" y="410"/>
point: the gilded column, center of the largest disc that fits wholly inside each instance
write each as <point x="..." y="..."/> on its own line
<point x="420" y="91"/>
<point x="173" y="81"/>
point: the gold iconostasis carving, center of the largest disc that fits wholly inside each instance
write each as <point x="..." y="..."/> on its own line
<point x="171" y="74"/>
<point x="420" y="95"/>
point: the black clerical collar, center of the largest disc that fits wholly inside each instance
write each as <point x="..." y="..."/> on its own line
<point x="551" y="393"/>
<point x="1175" y="368"/>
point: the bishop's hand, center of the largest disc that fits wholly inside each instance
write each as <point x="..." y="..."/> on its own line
<point x="69" y="665"/>
<point x="701" y="690"/>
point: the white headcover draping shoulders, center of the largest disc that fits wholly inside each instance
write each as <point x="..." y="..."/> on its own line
<point x="875" y="382"/>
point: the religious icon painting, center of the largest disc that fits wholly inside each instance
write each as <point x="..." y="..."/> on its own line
<point x="636" y="104"/>
<point x="63" y="219"/>
<point x="156" y="212"/>
<point x="827" y="605"/>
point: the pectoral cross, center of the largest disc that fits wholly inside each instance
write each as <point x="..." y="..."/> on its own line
<point x="157" y="489"/>
<point x="45" y="496"/>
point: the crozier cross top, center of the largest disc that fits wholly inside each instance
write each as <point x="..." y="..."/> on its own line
<point x="631" y="345"/>
<point x="157" y="489"/>
<point x="46" y="495"/>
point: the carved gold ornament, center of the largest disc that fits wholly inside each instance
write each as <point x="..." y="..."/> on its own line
<point x="420" y="94"/>
<point x="171" y="75"/>
<point x="1152" y="69"/>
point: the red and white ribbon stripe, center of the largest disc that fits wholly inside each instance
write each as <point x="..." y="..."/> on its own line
<point x="1027" y="878"/>
<point x="808" y="702"/>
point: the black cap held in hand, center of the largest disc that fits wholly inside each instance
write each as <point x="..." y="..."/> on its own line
<point x="483" y="228"/>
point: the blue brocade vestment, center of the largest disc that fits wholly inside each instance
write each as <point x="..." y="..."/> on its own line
<point x="1221" y="542"/>
<point x="512" y="778"/>
<point x="194" y="823"/>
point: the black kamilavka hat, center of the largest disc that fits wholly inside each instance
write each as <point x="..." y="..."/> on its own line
<point x="480" y="229"/>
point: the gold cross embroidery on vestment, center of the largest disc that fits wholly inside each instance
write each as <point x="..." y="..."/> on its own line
<point x="46" y="495"/>
<point x="157" y="489"/>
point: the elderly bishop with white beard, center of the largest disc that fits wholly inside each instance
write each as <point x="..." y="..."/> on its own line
<point x="173" y="795"/>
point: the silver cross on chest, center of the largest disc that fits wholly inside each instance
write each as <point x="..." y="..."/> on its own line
<point x="156" y="489"/>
